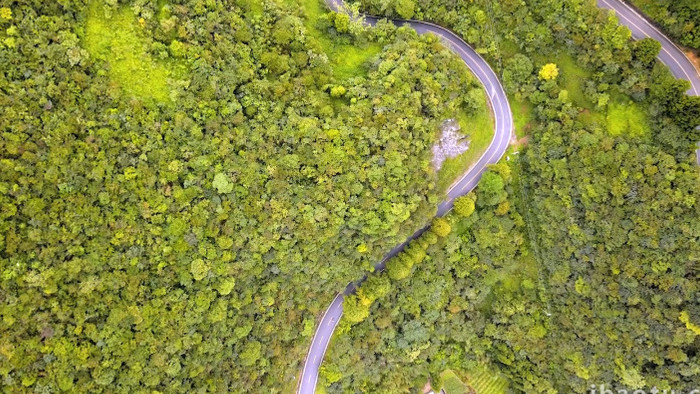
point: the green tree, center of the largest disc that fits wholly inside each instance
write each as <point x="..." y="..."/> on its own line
<point x="646" y="50"/>
<point x="250" y="353"/>
<point x="441" y="227"/>
<point x="222" y="184"/>
<point x="491" y="189"/>
<point x="464" y="206"/>
<point x="199" y="269"/>
<point x="405" y="8"/>
<point x="354" y="310"/>
<point x="398" y="268"/>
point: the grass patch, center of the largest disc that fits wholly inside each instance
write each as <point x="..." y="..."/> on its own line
<point x="523" y="115"/>
<point x="347" y="60"/>
<point x="482" y="381"/>
<point x="120" y="41"/>
<point x="627" y="117"/>
<point x="572" y="78"/>
<point x="479" y="127"/>
<point x="451" y="383"/>
<point x="485" y="381"/>
<point x="620" y="116"/>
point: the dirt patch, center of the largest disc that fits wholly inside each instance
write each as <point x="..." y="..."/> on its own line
<point x="694" y="58"/>
<point x="521" y="142"/>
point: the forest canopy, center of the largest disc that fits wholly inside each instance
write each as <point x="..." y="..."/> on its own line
<point x="576" y="263"/>
<point x="185" y="185"/>
<point x="174" y="176"/>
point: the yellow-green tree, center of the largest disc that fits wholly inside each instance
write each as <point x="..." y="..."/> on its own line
<point x="549" y="71"/>
<point x="464" y="206"/>
<point x="441" y="227"/>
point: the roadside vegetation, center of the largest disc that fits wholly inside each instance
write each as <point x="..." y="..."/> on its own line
<point x="679" y="18"/>
<point x="446" y="302"/>
<point x="477" y="123"/>
<point x="347" y="58"/>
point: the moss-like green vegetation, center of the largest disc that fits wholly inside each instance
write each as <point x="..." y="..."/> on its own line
<point x="348" y="60"/>
<point x="484" y="381"/>
<point x="118" y="38"/>
<point x="255" y="7"/>
<point x="523" y="116"/>
<point x="452" y="384"/>
<point x="627" y="118"/>
<point x="572" y="77"/>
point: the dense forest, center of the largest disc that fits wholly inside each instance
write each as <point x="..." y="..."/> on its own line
<point x="470" y="300"/>
<point x="175" y="175"/>
<point x="186" y="184"/>
<point x="584" y="267"/>
<point x="679" y="18"/>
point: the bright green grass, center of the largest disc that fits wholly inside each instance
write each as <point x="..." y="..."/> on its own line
<point x="120" y="41"/>
<point x="479" y="127"/>
<point x="256" y="6"/>
<point x="523" y="115"/>
<point x="451" y="383"/>
<point x="347" y="60"/>
<point x="627" y="117"/>
<point x="484" y="381"/>
<point x="572" y="78"/>
<point x="621" y="116"/>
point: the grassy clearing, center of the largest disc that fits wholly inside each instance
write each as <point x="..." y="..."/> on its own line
<point x="119" y="40"/>
<point x="347" y="60"/>
<point x="572" y="79"/>
<point x="627" y="117"/>
<point x="620" y="116"/>
<point x="485" y="381"/>
<point x="481" y="381"/>
<point x="523" y="116"/>
<point x="479" y="127"/>
<point x="451" y="383"/>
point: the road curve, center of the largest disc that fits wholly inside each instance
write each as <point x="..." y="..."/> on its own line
<point x="503" y="125"/>
<point x="670" y="55"/>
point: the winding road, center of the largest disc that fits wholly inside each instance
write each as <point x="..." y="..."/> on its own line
<point x="670" y="55"/>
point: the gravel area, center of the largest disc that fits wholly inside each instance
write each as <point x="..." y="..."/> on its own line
<point x="452" y="143"/>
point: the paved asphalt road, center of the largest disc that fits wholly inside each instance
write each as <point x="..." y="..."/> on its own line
<point x="670" y="55"/>
<point x="499" y="144"/>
